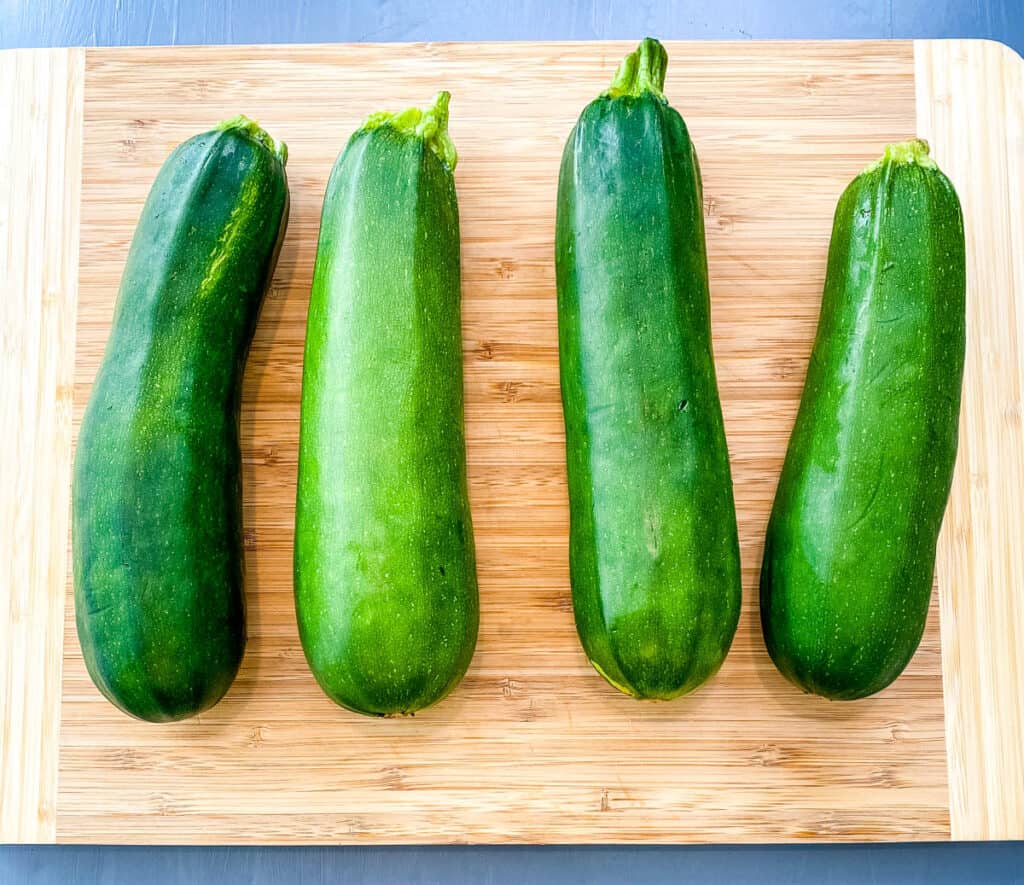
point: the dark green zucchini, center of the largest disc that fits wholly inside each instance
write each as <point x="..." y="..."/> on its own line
<point x="653" y="550"/>
<point x="385" y="569"/>
<point x="850" y="549"/>
<point x="156" y="502"/>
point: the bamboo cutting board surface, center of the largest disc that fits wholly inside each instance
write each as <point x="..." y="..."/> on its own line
<point x="533" y="746"/>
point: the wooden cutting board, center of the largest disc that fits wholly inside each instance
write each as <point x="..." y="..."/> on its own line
<point x="533" y="746"/>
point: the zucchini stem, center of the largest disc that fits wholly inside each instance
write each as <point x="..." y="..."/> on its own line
<point x="253" y="130"/>
<point x="429" y="124"/>
<point x="643" y="70"/>
<point x="915" y="151"/>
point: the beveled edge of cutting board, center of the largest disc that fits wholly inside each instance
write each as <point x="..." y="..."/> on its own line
<point x="970" y="106"/>
<point x="956" y="81"/>
<point x="41" y="127"/>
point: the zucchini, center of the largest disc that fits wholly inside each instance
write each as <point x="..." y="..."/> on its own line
<point x="156" y="497"/>
<point x="385" y="568"/>
<point x="850" y="549"/>
<point x="653" y="549"/>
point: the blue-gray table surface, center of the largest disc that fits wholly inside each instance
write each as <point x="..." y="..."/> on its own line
<point x="31" y="23"/>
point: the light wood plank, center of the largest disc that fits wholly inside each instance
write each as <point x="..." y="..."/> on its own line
<point x="971" y="108"/>
<point x="40" y="166"/>
<point x="533" y="746"/>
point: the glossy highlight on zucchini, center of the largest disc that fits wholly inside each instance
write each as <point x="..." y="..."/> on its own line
<point x="156" y="497"/>
<point x="385" y="567"/>
<point x="850" y="550"/>
<point x="653" y="548"/>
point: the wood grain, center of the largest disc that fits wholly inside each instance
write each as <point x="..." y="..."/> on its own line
<point x="533" y="746"/>
<point x="40" y="163"/>
<point x="971" y="107"/>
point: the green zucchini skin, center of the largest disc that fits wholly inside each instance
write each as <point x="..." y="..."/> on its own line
<point x="385" y="567"/>
<point x="653" y="548"/>
<point x="850" y="548"/>
<point x="156" y="498"/>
